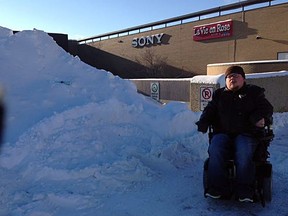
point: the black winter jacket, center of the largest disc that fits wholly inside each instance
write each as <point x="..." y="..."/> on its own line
<point x="236" y="112"/>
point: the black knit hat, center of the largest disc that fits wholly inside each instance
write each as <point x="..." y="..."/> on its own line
<point x="236" y="70"/>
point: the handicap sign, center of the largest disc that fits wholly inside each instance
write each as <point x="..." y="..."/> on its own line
<point x="154" y="88"/>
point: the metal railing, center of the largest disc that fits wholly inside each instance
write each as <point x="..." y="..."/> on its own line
<point x="213" y="12"/>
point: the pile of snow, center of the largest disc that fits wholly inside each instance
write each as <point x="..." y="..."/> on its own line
<point x="81" y="141"/>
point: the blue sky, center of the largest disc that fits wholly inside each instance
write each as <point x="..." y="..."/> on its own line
<point x="87" y="18"/>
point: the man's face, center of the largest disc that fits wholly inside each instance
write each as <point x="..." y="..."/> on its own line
<point x="234" y="81"/>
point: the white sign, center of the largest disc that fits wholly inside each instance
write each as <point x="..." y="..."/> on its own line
<point x="148" y="40"/>
<point x="205" y="96"/>
<point x="154" y="87"/>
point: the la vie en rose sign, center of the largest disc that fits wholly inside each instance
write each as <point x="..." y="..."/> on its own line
<point x="213" y="30"/>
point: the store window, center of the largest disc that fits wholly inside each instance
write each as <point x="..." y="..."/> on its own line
<point x="282" y="56"/>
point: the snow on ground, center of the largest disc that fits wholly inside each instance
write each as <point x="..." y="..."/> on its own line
<point x="80" y="141"/>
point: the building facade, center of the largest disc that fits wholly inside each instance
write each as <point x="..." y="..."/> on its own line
<point x="184" y="46"/>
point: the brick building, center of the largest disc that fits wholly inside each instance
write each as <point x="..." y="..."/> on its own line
<point x="184" y="46"/>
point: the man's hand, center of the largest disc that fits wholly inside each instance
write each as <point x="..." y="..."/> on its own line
<point x="202" y="127"/>
<point x="260" y="123"/>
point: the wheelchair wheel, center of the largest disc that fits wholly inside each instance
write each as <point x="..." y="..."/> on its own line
<point x="264" y="173"/>
<point x="205" y="176"/>
<point x="267" y="188"/>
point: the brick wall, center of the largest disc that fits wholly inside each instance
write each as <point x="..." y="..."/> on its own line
<point x="183" y="57"/>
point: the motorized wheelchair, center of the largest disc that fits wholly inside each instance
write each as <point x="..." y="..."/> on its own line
<point x="263" y="178"/>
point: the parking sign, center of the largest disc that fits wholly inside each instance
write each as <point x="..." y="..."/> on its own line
<point x="205" y="96"/>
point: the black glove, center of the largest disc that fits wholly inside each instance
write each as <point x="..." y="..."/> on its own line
<point x="202" y="127"/>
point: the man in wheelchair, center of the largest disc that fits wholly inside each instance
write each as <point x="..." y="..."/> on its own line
<point x="238" y="114"/>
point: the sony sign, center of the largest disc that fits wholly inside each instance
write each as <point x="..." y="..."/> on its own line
<point x="148" y="40"/>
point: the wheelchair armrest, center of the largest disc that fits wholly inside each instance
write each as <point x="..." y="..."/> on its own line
<point x="268" y="133"/>
<point x="210" y="133"/>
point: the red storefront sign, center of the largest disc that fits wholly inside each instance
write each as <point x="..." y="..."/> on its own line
<point x="213" y="30"/>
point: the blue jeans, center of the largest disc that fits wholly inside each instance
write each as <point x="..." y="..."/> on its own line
<point x="223" y="148"/>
